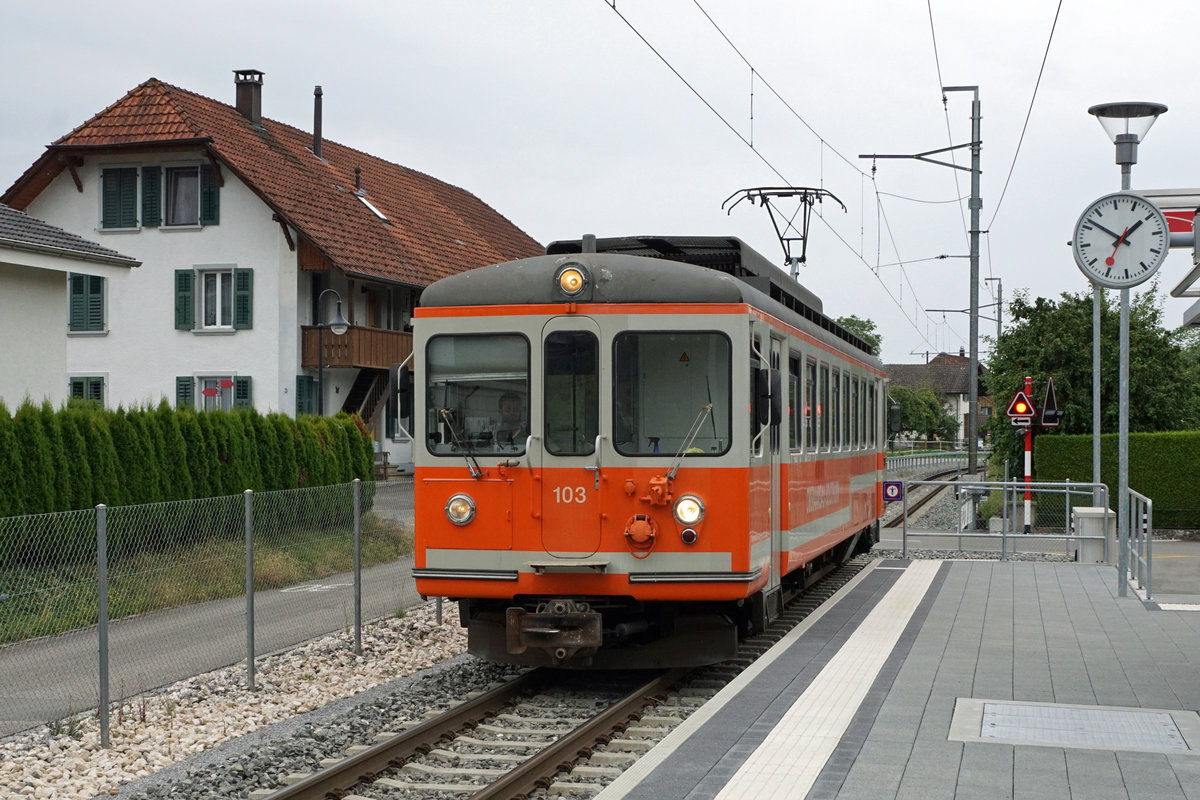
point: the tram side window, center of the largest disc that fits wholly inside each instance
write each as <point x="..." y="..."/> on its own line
<point x="665" y="383"/>
<point x="823" y="408"/>
<point x="874" y="425"/>
<point x="848" y="409"/>
<point x="572" y="409"/>
<point x="477" y="394"/>
<point x="795" y="420"/>
<point x="835" y="410"/>
<point x="856" y="413"/>
<point x="810" y="404"/>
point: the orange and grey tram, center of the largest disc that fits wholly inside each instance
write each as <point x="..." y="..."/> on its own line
<point x="628" y="451"/>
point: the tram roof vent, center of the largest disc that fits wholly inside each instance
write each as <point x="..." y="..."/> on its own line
<point x="588" y="245"/>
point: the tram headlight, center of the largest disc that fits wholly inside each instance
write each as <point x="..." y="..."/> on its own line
<point x="571" y="279"/>
<point x="460" y="509"/>
<point x="689" y="509"/>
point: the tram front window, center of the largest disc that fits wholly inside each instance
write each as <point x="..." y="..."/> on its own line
<point x="665" y="385"/>
<point x="477" y="394"/>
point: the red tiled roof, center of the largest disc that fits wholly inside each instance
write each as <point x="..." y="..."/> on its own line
<point x="433" y="229"/>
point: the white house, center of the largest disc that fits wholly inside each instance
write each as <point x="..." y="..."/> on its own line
<point x="46" y="278"/>
<point x="252" y="234"/>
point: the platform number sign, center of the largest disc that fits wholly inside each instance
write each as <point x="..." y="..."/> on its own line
<point x="893" y="491"/>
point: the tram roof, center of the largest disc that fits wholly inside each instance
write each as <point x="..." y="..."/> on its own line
<point x="734" y="272"/>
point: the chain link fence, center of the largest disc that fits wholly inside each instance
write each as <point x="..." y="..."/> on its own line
<point x="100" y="605"/>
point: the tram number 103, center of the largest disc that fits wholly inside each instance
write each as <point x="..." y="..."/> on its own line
<point x="570" y="494"/>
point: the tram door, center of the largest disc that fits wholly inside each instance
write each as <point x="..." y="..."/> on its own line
<point x="571" y="444"/>
<point x="774" y="446"/>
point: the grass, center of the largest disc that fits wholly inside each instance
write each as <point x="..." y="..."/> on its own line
<point x="45" y="601"/>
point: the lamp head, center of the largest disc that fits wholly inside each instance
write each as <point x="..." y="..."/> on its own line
<point x="1127" y="118"/>
<point x="338" y="325"/>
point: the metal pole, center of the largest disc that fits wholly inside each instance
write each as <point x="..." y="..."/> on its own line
<point x="357" y="566"/>
<point x="1028" y="460"/>
<point x="102" y="613"/>
<point x="1096" y="300"/>
<point x="320" y="365"/>
<point x="1123" y="452"/>
<point x="904" y="529"/>
<point x="976" y="204"/>
<point x="249" y="504"/>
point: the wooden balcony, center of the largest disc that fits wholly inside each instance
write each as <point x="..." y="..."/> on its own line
<point x="358" y="347"/>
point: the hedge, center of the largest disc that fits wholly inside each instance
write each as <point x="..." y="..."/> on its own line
<point x="81" y="455"/>
<point x="1162" y="466"/>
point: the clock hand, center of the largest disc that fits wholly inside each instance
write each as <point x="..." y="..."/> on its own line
<point x="1132" y="228"/>
<point x="1113" y="258"/>
<point x="1113" y="234"/>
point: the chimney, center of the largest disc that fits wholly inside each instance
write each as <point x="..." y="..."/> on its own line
<point x="962" y="352"/>
<point x="317" y="121"/>
<point x="249" y="94"/>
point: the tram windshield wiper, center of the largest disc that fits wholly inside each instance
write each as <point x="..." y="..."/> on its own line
<point x="693" y="432"/>
<point x="463" y="444"/>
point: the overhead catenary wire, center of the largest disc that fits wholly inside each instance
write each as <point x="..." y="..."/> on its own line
<point x="757" y="79"/>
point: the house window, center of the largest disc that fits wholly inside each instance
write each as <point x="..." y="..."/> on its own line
<point x="86" y="310"/>
<point x="88" y="388"/>
<point x="213" y="392"/>
<point x="118" y="198"/>
<point x="215" y="298"/>
<point x="182" y="197"/>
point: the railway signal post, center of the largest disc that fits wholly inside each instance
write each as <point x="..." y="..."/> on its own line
<point x="1021" y="413"/>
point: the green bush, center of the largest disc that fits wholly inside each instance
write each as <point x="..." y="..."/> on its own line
<point x="1162" y="466"/>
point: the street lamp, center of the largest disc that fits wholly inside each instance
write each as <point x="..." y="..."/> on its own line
<point x="1126" y="125"/>
<point x="338" y="327"/>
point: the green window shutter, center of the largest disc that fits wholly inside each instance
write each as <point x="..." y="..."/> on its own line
<point x="210" y="196"/>
<point x="77" y="315"/>
<point x="304" y="394"/>
<point x="78" y="389"/>
<point x="243" y="299"/>
<point x="94" y="389"/>
<point x="185" y="301"/>
<point x="86" y="311"/>
<point x="185" y="392"/>
<point x="151" y="197"/>
<point x="118" y="198"/>
<point x="241" y="391"/>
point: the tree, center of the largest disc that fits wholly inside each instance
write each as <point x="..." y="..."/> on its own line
<point x="922" y="413"/>
<point x="1054" y="338"/>
<point x="865" y="330"/>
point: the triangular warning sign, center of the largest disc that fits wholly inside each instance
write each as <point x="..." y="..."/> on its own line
<point x="1020" y="407"/>
<point x="1051" y="414"/>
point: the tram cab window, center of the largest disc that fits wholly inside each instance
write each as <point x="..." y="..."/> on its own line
<point x="663" y="383"/>
<point x="477" y="394"/>
<point x="572" y="411"/>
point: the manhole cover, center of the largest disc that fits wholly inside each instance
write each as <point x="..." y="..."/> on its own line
<point x="1070" y="726"/>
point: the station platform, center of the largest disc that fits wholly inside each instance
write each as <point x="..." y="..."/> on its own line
<point x="953" y="679"/>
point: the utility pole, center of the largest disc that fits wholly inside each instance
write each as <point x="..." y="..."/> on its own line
<point x="976" y="205"/>
<point x="999" y="305"/>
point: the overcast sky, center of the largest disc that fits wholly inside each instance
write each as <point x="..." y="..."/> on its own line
<point x="557" y="114"/>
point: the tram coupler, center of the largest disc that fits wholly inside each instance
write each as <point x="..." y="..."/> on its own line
<point x="559" y="627"/>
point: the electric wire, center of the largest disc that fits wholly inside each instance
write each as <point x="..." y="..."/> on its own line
<point x="1028" y="113"/>
<point x="758" y="75"/>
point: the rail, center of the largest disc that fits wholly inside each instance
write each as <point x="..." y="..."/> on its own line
<point x="1138" y="541"/>
<point x="1012" y="516"/>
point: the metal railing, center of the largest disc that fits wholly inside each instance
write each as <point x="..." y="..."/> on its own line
<point x="915" y="461"/>
<point x="1138" y="542"/>
<point x="1050" y="517"/>
<point x="101" y="605"/>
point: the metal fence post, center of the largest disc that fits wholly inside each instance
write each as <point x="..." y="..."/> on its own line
<point x="357" y="567"/>
<point x="249" y="495"/>
<point x="102" y="613"/>
<point x="904" y="528"/>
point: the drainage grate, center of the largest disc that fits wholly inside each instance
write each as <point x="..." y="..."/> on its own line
<point x="1096" y="727"/>
<point x="1067" y="726"/>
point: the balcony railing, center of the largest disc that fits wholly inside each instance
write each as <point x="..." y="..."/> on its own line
<point x="358" y="347"/>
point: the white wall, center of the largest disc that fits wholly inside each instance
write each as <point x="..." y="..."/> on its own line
<point x="33" y="360"/>
<point x="143" y="353"/>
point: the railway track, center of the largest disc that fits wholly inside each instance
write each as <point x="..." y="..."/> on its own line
<point x="545" y="731"/>
<point x="915" y="504"/>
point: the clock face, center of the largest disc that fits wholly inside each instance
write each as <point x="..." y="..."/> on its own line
<point x="1120" y="240"/>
